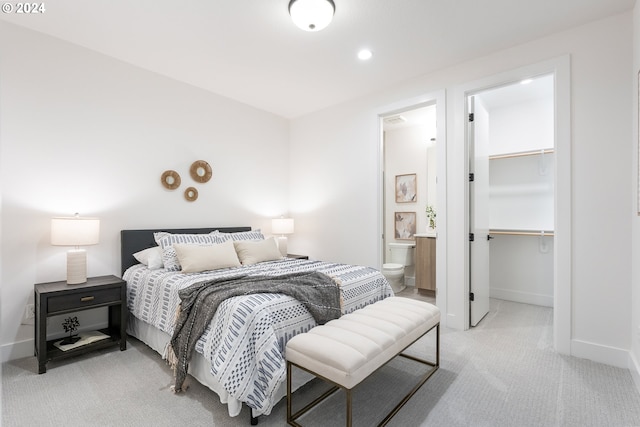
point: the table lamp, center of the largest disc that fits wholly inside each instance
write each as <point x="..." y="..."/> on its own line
<point x="282" y="226"/>
<point x="75" y="231"/>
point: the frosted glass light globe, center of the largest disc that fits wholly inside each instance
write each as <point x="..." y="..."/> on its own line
<point x="311" y="15"/>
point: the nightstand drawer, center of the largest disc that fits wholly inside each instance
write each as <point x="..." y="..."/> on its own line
<point x="84" y="299"/>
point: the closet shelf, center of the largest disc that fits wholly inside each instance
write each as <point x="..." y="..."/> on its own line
<point x="541" y="233"/>
<point x="522" y="154"/>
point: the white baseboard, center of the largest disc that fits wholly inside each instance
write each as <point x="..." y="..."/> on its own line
<point x="600" y="353"/>
<point x="634" y="368"/>
<point x="522" y="297"/>
<point x="17" y="350"/>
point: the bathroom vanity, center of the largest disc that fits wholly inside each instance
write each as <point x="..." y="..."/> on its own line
<point x="426" y="262"/>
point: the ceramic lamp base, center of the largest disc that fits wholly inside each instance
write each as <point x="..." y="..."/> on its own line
<point x="282" y="245"/>
<point x="76" y="266"/>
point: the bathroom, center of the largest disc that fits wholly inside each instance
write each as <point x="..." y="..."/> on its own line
<point x="409" y="153"/>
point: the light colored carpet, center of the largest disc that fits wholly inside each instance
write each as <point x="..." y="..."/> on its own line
<point x="502" y="373"/>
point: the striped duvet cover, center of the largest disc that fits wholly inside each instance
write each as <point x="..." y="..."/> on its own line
<point x="246" y="339"/>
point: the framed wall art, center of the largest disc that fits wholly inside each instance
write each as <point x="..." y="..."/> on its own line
<point x="405" y="225"/>
<point x="406" y="188"/>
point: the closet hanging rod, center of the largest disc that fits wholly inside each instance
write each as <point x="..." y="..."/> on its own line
<point x="522" y="154"/>
<point x="542" y="233"/>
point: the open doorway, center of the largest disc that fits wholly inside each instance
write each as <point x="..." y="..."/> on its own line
<point x="400" y="167"/>
<point x="410" y="199"/>
<point x="511" y="194"/>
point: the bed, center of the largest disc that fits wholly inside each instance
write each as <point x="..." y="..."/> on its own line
<point x="240" y="356"/>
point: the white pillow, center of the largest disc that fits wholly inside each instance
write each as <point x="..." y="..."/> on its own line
<point x="252" y="252"/>
<point x="167" y="240"/>
<point x="197" y="258"/>
<point x="151" y="257"/>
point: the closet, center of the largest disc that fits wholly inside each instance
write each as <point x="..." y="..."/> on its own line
<point x="521" y="191"/>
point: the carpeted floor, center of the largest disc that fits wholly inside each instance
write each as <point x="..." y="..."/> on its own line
<point x="502" y="373"/>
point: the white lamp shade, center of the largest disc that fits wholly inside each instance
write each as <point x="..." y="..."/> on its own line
<point x="282" y="226"/>
<point x="75" y="231"/>
<point x="311" y="15"/>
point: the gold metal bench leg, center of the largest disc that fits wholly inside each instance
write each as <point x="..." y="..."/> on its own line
<point x="434" y="367"/>
<point x="291" y="418"/>
<point x="438" y="344"/>
<point x="289" y="395"/>
<point x="349" y="413"/>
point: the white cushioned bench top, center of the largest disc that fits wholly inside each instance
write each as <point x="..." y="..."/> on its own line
<point x="347" y="350"/>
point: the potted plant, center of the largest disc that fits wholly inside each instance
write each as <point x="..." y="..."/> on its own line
<point x="431" y="214"/>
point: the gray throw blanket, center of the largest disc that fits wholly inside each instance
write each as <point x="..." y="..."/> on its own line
<point x="199" y="302"/>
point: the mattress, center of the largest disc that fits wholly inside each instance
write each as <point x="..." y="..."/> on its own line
<point x="241" y="354"/>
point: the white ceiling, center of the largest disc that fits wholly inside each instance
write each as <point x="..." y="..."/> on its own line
<point x="539" y="88"/>
<point x="250" y="51"/>
<point x="413" y="117"/>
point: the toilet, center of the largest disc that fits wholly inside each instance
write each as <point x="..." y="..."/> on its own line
<point x="400" y="263"/>
<point x="394" y="273"/>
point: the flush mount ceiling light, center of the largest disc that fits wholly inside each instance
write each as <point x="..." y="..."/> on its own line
<point x="365" y="54"/>
<point x="312" y="15"/>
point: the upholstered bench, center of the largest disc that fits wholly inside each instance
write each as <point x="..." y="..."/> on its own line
<point x="347" y="350"/>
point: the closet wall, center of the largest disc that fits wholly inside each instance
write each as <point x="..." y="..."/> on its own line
<point x="521" y="171"/>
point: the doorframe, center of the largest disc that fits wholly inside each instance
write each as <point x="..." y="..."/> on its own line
<point x="560" y="68"/>
<point x="437" y="98"/>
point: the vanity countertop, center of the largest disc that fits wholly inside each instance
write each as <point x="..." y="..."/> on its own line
<point x="434" y="234"/>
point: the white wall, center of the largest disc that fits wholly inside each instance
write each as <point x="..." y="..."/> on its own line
<point x="334" y="176"/>
<point x="521" y="269"/>
<point x="406" y="153"/>
<point x="521" y="193"/>
<point x="600" y="176"/>
<point x="85" y="133"/>
<point x="633" y="152"/>
<point x="521" y="127"/>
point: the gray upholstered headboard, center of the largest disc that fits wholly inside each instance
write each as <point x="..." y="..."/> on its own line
<point x="132" y="241"/>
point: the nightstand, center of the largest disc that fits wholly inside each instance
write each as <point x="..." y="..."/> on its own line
<point x="55" y="298"/>
<point x="294" y="256"/>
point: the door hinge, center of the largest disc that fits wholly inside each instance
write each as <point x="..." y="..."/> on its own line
<point x="471" y="237"/>
<point x="471" y="296"/>
<point x="472" y="177"/>
<point x="471" y="117"/>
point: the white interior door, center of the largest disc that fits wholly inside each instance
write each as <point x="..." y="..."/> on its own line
<point x="479" y="210"/>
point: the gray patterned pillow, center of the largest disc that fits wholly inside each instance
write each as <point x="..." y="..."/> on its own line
<point x="246" y="235"/>
<point x="167" y="240"/>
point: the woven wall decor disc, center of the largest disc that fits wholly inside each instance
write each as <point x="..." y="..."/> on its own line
<point x="200" y="171"/>
<point x="191" y="194"/>
<point x="170" y="179"/>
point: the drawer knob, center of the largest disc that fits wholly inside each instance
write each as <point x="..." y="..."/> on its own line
<point x="85" y="299"/>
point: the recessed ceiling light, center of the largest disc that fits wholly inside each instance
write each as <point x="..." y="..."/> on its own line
<point x="365" y="54"/>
